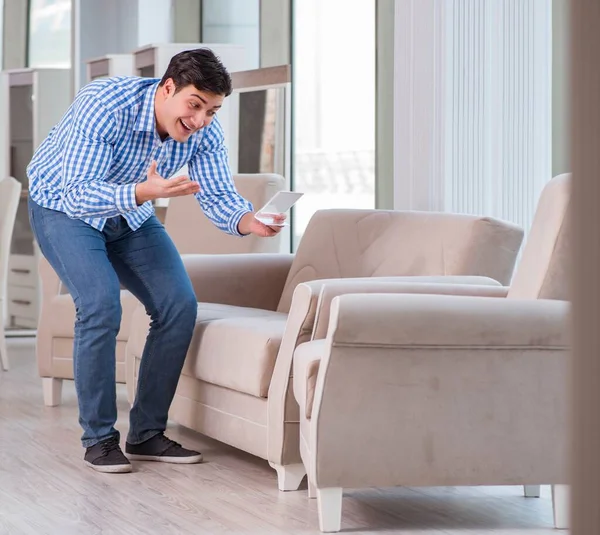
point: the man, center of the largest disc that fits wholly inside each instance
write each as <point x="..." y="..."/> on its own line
<point x="91" y="185"/>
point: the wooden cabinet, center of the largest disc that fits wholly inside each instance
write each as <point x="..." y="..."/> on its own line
<point x="109" y="66"/>
<point x="33" y="100"/>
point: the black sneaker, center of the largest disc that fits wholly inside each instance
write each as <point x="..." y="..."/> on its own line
<point x="162" y="449"/>
<point x="106" y="456"/>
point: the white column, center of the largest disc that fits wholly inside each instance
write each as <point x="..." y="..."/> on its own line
<point x="585" y="154"/>
<point x="1" y="32"/>
<point x="473" y="106"/>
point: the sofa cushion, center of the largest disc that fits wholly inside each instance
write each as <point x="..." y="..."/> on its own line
<point x="307" y="359"/>
<point x="235" y="347"/>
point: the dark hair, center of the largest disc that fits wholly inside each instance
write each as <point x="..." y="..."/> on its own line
<point x="200" y="68"/>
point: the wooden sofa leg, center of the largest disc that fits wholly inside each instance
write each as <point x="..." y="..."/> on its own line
<point x="330" y="509"/>
<point x="52" y="391"/>
<point x="289" y="476"/>
<point x="532" y="491"/>
<point x="560" y="505"/>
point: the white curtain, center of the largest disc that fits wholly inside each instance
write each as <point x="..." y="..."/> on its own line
<point x="473" y="106"/>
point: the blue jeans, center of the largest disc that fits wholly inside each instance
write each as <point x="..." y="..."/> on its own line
<point x="91" y="264"/>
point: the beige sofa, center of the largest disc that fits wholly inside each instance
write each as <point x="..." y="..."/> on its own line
<point x="191" y="231"/>
<point x="442" y="390"/>
<point x="235" y="384"/>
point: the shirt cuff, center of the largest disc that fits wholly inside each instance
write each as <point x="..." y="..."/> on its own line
<point x="125" y="198"/>
<point x="235" y="221"/>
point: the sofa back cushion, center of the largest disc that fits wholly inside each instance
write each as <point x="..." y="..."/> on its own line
<point x="378" y="243"/>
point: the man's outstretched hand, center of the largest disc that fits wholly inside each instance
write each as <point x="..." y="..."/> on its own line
<point x="250" y="225"/>
<point x="157" y="187"/>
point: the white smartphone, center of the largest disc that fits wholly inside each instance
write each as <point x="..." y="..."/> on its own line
<point x="280" y="203"/>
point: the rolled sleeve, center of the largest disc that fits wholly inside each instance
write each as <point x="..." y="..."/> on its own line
<point x="125" y="198"/>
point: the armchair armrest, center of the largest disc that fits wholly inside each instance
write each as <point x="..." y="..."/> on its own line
<point x="448" y="321"/>
<point x="249" y="280"/>
<point x="452" y="382"/>
<point x="467" y="286"/>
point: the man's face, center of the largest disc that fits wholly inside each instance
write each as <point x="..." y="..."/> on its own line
<point x="180" y="114"/>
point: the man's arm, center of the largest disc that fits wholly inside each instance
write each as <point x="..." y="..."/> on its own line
<point x="87" y="160"/>
<point x="219" y="200"/>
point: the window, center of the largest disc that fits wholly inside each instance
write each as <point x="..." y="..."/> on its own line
<point x="334" y="106"/>
<point x="49" y="32"/>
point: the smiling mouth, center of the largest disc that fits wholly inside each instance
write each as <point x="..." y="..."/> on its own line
<point x="186" y="127"/>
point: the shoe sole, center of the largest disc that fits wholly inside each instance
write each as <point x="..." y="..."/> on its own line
<point x="110" y="469"/>
<point x="162" y="459"/>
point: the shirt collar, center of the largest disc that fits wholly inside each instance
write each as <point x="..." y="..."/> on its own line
<point x="145" y="121"/>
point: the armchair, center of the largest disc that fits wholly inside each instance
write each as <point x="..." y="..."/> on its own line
<point x="467" y="385"/>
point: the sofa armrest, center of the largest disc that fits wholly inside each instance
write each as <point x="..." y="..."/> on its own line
<point x="247" y="280"/>
<point x="467" y="286"/>
<point x="467" y="389"/>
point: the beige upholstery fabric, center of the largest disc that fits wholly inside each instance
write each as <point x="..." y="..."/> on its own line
<point x="467" y="390"/>
<point x="379" y="243"/>
<point x="235" y="348"/>
<point x="192" y="232"/>
<point x="543" y="270"/>
<point x="307" y="359"/>
<point x="542" y="273"/>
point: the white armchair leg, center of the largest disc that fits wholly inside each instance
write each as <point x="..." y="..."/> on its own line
<point x="532" y="491"/>
<point x="330" y="509"/>
<point x="312" y="490"/>
<point x="560" y="504"/>
<point x="3" y="351"/>
<point x="52" y="391"/>
<point x="289" y="476"/>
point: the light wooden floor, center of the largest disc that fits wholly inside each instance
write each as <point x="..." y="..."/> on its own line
<point x="46" y="489"/>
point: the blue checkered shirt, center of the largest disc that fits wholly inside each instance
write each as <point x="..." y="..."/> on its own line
<point x="92" y="159"/>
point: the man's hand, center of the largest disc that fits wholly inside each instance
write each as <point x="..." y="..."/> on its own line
<point x="157" y="187"/>
<point x="250" y="225"/>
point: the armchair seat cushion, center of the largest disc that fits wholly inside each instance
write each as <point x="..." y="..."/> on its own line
<point x="307" y="359"/>
<point x="235" y="347"/>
